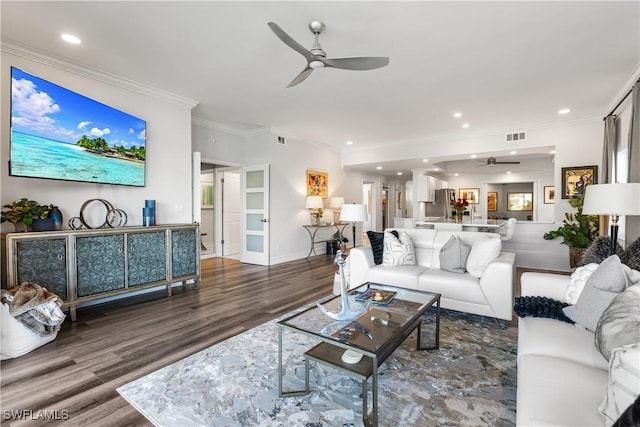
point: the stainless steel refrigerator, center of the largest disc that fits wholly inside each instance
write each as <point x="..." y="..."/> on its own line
<point x="441" y="207"/>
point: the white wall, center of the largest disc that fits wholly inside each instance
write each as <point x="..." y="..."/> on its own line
<point x="168" y="173"/>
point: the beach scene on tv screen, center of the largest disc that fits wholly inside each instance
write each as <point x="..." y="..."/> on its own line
<point x="59" y="134"/>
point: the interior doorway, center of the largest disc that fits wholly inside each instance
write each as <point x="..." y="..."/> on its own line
<point x="219" y="210"/>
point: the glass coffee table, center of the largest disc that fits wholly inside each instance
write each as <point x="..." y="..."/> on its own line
<point x="373" y="337"/>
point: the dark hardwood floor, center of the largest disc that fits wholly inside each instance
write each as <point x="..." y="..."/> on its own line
<point x="115" y="343"/>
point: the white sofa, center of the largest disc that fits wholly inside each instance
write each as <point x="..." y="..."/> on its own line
<point x="489" y="295"/>
<point x="563" y="380"/>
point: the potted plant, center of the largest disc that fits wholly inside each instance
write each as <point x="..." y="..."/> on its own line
<point x="21" y="213"/>
<point x="578" y="231"/>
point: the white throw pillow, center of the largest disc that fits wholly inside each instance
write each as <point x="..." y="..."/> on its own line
<point x="482" y="253"/>
<point x="454" y="254"/>
<point x="577" y="281"/>
<point x="624" y="382"/>
<point x="398" y="250"/>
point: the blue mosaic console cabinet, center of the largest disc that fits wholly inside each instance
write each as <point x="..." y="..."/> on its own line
<point x="86" y="265"/>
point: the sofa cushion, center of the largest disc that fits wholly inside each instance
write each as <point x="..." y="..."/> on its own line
<point x="619" y="325"/>
<point x="482" y="253"/>
<point x="599" y="250"/>
<point x="576" y="284"/>
<point x="398" y="250"/>
<point x="454" y="254"/>
<point x="624" y="382"/>
<point x="549" y="337"/>
<point x="461" y="287"/>
<point x="610" y="278"/>
<point x="376" y="238"/>
<point x="558" y="392"/>
<point x="404" y="276"/>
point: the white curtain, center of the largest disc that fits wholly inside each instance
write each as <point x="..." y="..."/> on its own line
<point x="633" y="222"/>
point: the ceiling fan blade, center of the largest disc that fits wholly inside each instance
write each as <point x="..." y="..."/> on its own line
<point x="358" y="63"/>
<point x="507" y="163"/>
<point x="289" y="41"/>
<point x="301" y="77"/>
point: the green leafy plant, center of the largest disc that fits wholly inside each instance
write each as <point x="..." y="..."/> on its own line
<point x="23" y="211"/>
<point x="578" y="230"/>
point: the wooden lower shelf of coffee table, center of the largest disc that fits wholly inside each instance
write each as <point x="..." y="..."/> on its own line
<point x="332" y="355"/>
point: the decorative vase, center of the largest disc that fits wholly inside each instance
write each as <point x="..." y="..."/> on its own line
<point x="459" y="215"/>
<point x="315" y="220"/>
<point x="56" y="216"/>
<point x="21" y="227"/>
<point x="575" y="256"/>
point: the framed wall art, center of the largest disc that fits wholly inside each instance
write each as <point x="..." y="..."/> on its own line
<point x="492" y="201"/>
<point x="576" y="179"/>
<point x="317" y="184"/>
<point x="549" y="194"/>
<point x="471" y="195"/>
<point x="206" y="196"/>
<point x="519" y="201"/>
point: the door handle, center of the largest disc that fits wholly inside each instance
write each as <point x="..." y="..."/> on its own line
<point x="264" y="220"/>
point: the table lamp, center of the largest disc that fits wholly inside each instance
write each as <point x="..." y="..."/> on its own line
<point x="336" y="203"/>
<point x="615" y="200"/>
<point x="315" y="205"/>
<point x="354" y="213"/>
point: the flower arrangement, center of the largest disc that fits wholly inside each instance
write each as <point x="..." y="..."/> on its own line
<point x="459" y="205"/>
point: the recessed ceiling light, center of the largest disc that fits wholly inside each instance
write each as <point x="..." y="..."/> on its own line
<point x="436" y="169"/>
<point x="456" y="174"/>
<point x="466" y="125"/>
<point x="513" y="152"/>
<point x="552" y="152"/>
<point x="399" y="173"/>
<point x="425" y="160"/>
<point x="457" y="115"/>
<point x="69" y="38"/>
<point x="473" y="156"/>
<point x="379" y="167"/>
<point x="349" y="142"/>
<point x="508" y="172"/>
<point x="564" y="111"/>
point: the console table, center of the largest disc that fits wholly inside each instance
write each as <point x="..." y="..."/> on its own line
<point x="86" y="265"/>
<point x="313" y="230"/>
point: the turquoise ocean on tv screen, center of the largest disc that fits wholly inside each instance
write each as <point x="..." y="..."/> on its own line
<point x="39" y="157"/>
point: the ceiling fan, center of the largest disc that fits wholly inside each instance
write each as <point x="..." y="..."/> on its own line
<point x="317" y="58"/>
<point x="492" y="161"/>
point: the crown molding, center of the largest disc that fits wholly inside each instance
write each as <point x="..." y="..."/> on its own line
<point x="110" y="79"/>
<point x="624" y="88"/>
<point x="261" y="130"/>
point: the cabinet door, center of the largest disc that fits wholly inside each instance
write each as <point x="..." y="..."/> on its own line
<point x="184" y="260"/>
<point x="100" y="264"/>
<point x="43" y="262"/>
<point x="147" y="257"/>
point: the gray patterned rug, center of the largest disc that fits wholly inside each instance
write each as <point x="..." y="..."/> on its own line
<point x="469" y="381"/>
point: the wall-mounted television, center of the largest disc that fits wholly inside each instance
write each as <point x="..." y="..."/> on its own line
<point x="59" y="134"/>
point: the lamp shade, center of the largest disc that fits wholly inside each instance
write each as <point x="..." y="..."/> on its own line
<point x="336" y="202"/>
<point x="353" y="212"/>
<point x="314" y="202"/>
<point x="612" y="199"/>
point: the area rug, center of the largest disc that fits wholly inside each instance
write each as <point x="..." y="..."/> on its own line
<point x="469" y="381"/>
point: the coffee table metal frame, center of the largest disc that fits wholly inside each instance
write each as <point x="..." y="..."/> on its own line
<point x="329" y="352"/>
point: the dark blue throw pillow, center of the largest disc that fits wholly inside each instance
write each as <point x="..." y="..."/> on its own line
<point x="376" y="238"/>
<point x="530" y="306"/>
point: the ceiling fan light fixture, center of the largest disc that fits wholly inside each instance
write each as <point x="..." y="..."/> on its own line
<point x="316" y="64"/>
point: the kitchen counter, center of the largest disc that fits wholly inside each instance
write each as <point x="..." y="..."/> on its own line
<point x="467" y="224"/>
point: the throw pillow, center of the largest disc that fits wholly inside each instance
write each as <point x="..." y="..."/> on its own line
<point x="610" y="278"/>
<point x="631" y="255"/>
<point x="376" y="238"/>
<point x="454" y="254"/>
<point x="482" y="253"/>
<point x="619" y="325"/>
<point x="599" y="250"/>
<point x="624" y="382"/>
<point x="576" y="283"/>
<point x="531" y="306"/>
<point x="398" y="250"/>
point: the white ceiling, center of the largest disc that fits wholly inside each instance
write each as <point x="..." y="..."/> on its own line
<point x="504" y="65"/>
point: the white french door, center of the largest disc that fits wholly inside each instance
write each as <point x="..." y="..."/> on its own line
<point x="254" y="187"/>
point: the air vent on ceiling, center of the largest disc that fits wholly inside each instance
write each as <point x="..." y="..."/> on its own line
<point x="516" y="136"/>
<point x="282" y="141"/>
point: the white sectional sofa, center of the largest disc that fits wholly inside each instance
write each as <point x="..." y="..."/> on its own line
<point x="562" y="377"/>
<point x="488" y="294"/>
